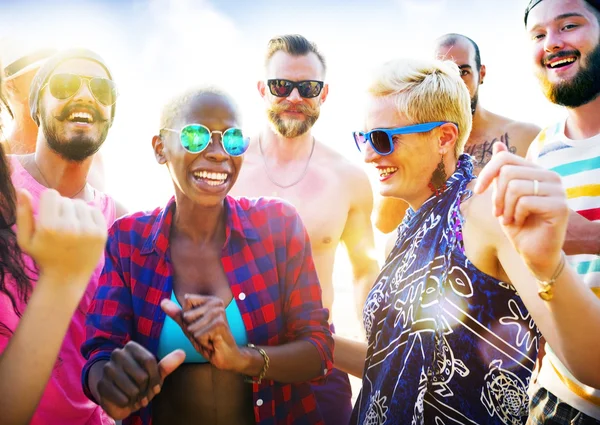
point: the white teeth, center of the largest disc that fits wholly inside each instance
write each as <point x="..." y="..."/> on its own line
<point x="81" y="115"/>
<point x="384" y="172"/>
<point x="561" y="62"/>
<point x="213" y="179"/>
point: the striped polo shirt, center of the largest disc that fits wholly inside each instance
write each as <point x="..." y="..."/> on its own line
<point x="578" y="163"/>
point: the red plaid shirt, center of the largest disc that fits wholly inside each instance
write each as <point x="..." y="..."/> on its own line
<point x="268" y="262"/>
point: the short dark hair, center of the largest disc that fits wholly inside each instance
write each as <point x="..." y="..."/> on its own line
<point x="452" y="38"/>
<point x="295" y="45"/>
<point x="595" y="4"/>
<point x="179" y="103"/>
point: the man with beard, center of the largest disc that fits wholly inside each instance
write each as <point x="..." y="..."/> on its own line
<point x="333" y="196"/>
<point x="21" y="65"/>
<point x="488" y="127"/>
<point x="72" y="99"/>
<point x="565" y="40"/>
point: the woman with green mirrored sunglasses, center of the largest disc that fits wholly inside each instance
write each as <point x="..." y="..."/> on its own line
<point x="215" y="312"/>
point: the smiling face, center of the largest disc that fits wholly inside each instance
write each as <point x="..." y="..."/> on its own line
<point x="75" y="127"/>
<point x="565" y="37"/>
<point x="406" y="172"/>
<point x="293" y="115"/>
<point x="206" y="177"/>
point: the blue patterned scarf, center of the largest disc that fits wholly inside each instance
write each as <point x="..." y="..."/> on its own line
<point x="448" y="344"/>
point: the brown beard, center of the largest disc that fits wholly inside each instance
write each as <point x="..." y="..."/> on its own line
<point x="76" y="149"/>
<point x="582" y="88"/>
<point x="290" y="127"/>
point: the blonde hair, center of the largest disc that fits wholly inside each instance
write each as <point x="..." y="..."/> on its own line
<point x="427" y="90"/>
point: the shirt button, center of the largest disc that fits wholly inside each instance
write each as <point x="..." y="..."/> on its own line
<point x="259" y="402"/>
<point x="242" y="296"/>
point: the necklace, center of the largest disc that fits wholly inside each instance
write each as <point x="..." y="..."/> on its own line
<point x="45" y="181"/>
<point x="285" y="186"/>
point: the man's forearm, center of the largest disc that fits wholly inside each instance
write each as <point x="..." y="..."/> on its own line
<point x="583" y="236"/>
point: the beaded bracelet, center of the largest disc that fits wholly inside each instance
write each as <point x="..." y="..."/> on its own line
<point x="263" y="372"/>
<point x="546" y="291"/>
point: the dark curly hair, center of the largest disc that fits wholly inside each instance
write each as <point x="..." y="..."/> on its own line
<point x="11" y="259"/>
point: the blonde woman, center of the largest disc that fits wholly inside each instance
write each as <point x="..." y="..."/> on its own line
<point x="450" y="319"/>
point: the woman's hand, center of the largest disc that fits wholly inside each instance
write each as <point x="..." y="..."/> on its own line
<point x="132" y="378"/>
<point x="531" y="204"/>
<point x="67" y="238"/>
<point x="204" y="322"/>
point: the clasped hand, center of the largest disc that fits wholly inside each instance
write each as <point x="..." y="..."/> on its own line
<point x="204" y="321"/>
<point x="531" y="204"/>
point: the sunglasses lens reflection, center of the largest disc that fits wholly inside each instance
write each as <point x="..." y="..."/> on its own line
<point x="104" y="90"/>
<point x="195" y="138"/>
<point x="234" y="142"/>
<point x="63" y="86"/>
<point x="280" y="88"/>
<point x="309" y="88"/>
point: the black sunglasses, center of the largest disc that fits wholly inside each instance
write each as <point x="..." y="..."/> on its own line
<point x="306" y="88"/>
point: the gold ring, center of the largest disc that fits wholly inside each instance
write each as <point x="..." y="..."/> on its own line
<point x="536" y="187"/>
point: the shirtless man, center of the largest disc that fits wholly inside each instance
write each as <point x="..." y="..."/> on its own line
<point x="488" y="127"/>
<point x="19" y="71"/>
<point x="333" y="196"/>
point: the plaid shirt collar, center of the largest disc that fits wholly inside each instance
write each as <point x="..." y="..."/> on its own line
<point x="237" y="223"/>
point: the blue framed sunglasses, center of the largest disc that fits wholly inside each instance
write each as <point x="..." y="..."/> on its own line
<point x="382" y="139"/>
<point x="196" y="137"/>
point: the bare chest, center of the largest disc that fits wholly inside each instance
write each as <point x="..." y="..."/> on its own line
<point x="198" y="270"/>
<point x="480" y="147"/>
<point x="320" y="197"/>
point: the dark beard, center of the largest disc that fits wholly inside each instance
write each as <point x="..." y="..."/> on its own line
<point x="77" y="148"/>
<point x="582" y="89"/>
<point x="474" y="102"/>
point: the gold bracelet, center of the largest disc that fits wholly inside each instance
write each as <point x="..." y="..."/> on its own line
<point x="546" y="291"/>
<point x="263" y="372"/>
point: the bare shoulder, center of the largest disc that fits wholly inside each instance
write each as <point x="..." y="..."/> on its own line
<point x="334" y="159"/>
<point x="524" y="130"/>
<point x="519" y="134"/>
<point x="352" y="174"/>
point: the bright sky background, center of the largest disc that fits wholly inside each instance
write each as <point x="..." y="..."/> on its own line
<point x="158" y="47"/>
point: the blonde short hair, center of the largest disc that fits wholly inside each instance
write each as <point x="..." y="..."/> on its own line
<point x="427" y="90"/>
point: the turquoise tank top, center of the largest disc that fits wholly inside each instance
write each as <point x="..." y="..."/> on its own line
<point x="172" y="337"/>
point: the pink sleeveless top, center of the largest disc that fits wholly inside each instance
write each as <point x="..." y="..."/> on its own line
<point x="63" y="401"/>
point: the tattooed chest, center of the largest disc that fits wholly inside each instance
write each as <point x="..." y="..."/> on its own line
<point x="482" y="152"/>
